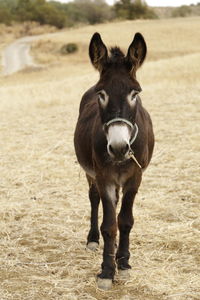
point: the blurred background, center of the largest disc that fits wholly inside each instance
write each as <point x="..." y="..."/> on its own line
<point x="45" y="211"/>
<point x="71" y="13"/>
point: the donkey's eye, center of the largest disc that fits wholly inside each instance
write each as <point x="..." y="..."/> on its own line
<point x="103" y="98"/>
<point x="132" y="97"/>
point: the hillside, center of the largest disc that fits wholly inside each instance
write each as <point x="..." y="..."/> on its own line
<point x="183" y="11"/>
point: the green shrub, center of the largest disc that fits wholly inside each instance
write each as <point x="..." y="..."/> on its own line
<point x="72" y="13"/>
<point x="88" y="11"/>
<point x="5" y="16"/>
<point x="48" y="14"/>
<point x="182" y="11"/>
<point x="69" y="48"/>
<point x="39" y="11"/>
<point x="128" y="9"/>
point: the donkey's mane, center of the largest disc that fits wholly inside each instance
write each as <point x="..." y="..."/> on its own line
<point x="116" y="55"/>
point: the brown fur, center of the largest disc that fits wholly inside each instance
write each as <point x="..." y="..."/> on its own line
<point x="117" y="78"/>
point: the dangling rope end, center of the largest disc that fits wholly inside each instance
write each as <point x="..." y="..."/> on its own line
<point x="131" y="154"/>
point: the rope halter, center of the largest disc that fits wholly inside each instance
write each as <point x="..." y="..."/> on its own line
<point x="131" y="153"/>
<point x="115" y="120"/>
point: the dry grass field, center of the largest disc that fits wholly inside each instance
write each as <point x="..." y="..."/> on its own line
<point x="44" y="211"/>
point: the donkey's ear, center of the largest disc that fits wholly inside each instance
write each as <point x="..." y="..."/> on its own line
<point x="98" y="52"/>
<point x="136" y="52"/>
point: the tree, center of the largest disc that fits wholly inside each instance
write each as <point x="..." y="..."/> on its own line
<point x="48" y="14"/>
<point x="133" y="9"/>
<point x="182" y="11"/>
<point x="40" y="11"/>
<point x="7" y="7"/>
<point x="5" y="16"/>
<point x="92" y="12"/>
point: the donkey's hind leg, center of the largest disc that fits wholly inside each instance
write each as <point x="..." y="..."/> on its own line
<point x="93" y="235"/>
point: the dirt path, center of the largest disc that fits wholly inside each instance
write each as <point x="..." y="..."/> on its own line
<point x="17" y="55"/>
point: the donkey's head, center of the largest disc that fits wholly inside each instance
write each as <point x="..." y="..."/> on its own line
<point x="117" y="91"/>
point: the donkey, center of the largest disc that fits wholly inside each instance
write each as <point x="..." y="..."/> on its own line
<point x="114" y="143"/>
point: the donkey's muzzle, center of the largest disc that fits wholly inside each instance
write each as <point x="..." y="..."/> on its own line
<point x="119" y="152"/>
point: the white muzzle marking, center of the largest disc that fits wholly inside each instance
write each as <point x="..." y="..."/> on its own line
<point x="118" y="134"/>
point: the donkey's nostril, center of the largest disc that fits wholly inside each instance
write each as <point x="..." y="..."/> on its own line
<point x="119" y="151"/>
<point x="126" y="148"/>
<point x="111" y="150"/>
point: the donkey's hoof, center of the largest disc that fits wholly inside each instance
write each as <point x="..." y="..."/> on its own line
<point x="93" y="246"/>
<point x="123" y="275"/>
<point x="104" y="283"/>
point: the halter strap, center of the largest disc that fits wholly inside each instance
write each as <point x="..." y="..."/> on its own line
<point x="126" y="122"/>
<point x="119" y="120"/>
<point x="135" y="135"/>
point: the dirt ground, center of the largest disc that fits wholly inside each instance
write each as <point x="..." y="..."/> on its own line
<point x="44" y="212"/>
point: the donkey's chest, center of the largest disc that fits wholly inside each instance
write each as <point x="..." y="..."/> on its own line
<point x="120" y="174"/>
<point x="113" y="173"/>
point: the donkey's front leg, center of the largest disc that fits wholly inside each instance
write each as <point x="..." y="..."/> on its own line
<point x="125" y="223"/>
<point x="93" y="235"/>
<point x="108" y="230"/>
